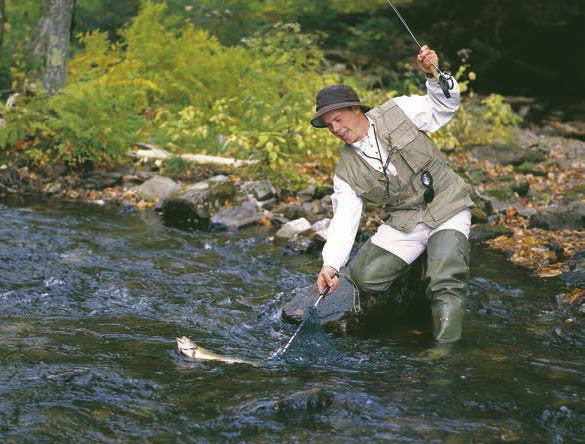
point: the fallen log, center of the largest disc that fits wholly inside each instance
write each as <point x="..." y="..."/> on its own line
<point x="152" y="152"/>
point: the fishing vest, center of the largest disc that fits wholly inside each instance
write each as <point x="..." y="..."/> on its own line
<point x="412" y="152"/>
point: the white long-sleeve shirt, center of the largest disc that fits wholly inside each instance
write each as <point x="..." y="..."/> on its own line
<point x="428" y="113"/>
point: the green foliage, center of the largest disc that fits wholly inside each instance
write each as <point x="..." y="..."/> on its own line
<point x="95" y="123"/>
<point x="168" y="82"/>
<point x="478" y="120"/>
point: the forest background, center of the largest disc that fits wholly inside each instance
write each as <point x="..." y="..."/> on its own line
<point x="238" y="79"/>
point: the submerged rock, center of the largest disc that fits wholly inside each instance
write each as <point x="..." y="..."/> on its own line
<point x="308" y="400"/>
<point x="301" y="244"/>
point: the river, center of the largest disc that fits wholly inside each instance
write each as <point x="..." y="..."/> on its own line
<point x="92" y="299"/>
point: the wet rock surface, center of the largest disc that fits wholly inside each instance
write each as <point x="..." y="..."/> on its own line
<point x="348" y="311"/>
<point x="309" y="401"/>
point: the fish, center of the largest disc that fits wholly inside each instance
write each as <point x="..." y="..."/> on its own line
<point x="190" y="349"/>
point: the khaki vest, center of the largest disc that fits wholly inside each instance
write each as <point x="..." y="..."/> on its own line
<point x="412" y="152"/>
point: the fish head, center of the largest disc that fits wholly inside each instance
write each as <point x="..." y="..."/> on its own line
<point x="187" y="347"/>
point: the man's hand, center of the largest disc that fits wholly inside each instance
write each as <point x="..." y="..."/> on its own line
<point x="327" y="276"/>
<point x="427" y="59"/>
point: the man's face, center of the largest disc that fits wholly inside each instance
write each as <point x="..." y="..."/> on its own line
<point x="347" y="124"/>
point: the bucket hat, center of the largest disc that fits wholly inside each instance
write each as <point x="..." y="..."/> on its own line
<point x="335" y="97"/>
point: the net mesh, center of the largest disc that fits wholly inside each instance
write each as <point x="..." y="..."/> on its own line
<point x="310" y="344"/>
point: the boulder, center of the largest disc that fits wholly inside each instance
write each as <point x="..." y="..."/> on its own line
<point x="98" y="180"/>
<point x="505" y="154"/>
<point x="296" y="211"/>
<point x="500" y="197"/>
<point x="236" y="217"/>
<point x="576" y="275"/>
<point x="345" y="310"/>
<point x="483" y="232"/>
<point x="260" y="189"/>
<point x="320" y="225"/>
<point x="560" y="217"/>
<point x="191" y="206"/>
<point x="156" y="188"/>
<point x="293" y="228"/>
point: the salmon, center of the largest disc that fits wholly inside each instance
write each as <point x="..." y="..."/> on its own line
<point x="188" y="348"/>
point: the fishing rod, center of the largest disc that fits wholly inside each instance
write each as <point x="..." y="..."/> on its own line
<point x="445" y="80"/>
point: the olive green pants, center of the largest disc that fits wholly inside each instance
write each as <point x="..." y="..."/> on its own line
<point x="373" y="270"/>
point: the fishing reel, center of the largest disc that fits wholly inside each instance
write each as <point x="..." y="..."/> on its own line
<point x="446" y="83"/>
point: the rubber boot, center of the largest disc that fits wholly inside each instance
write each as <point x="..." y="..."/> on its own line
<point x="447" y="271"/>
<point x="373" y="269"/>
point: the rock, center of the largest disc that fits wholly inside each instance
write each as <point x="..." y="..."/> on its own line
<point x="525" y="211"/>
<point x="323" y="224"/>
<point x="567" y="153"/>
<point x="156" y="188"/>
<point x="576" y="275"/>
<point x="478" y="216"/>
<point x="10" y="177"/>
<point x="236" y="217"/>
<point x="307" y="194"/>
<point x="483" y="232"/>
<point x="308" y="400"/>
<point x="346" y="310"/>
<point x="291" y="211"/>
<point x="261" y="189"/>
<point x="278" y="221"/>
<point x="521" y="187"/>
<point x="333" y="310"/>
<point x="500" y="197"/>
<point x="475" y="174"/>
<point x="292" y="229"/>
<point x="191" y="206"/>
<point x="321" y="236"/>
<point x="301" y="244"/>
<point x="560" y="217"/>
<point x="99" y="180"/>
<point x="505" y="154"/>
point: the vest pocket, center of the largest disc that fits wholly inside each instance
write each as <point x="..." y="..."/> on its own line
<point x="416" y="159"/>
<point x="404" y="133"/>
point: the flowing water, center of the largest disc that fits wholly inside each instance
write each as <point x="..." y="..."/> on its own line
<point x="92" y="299"/>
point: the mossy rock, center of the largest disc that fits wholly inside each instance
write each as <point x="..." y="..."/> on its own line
<point x="483" y="232"/>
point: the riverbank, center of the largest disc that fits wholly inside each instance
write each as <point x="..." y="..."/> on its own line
<point x="530" y="198"/>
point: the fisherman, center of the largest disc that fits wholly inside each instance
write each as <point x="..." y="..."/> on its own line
<point x="388" y="159"/>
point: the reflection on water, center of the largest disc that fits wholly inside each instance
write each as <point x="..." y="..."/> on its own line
<point x="92" y="299"/>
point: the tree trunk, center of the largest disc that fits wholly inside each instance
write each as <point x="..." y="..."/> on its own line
<point x="2" y="21"/>
<point x="57" y="18"/>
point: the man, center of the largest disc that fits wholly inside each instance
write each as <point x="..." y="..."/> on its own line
<point x="387" y="159"/>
